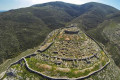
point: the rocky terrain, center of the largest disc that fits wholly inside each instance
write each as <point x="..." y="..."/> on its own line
<point x="66" y="53"/>
<point x="90" y="49"/>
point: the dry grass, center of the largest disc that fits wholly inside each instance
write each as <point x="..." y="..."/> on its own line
<point x="78" y="71"/>
<point x="43" y="66"/>
<point x="63" y="69"/>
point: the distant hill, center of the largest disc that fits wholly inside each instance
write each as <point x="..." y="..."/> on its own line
<point x="95" y="14"/>
<point x="3" y="11"/>
<point x="25" y="28"/>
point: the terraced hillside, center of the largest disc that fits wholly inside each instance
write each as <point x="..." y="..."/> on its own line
<point x="66" y="53"/>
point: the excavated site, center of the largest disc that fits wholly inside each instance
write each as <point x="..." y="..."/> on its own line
<point x="66" y="53"/>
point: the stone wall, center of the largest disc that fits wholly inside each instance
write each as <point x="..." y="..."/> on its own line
<point x="44" y="76"/>
<point x="96" y="42"/>
<point x="71" y="32"/>
<point x="42" y="50"/>
<point x="19" y="61"/>
<point x="47" y="39"/>
<point x="69" y="59"/>
<point x="51" y="78"/>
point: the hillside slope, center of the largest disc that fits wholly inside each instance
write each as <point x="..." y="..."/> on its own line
<point x="102" y="23"/>
<point x="96" y="14"/>
<point x="26" y="28"/>
<point x="109" y="35"/>
<point x="66" y="54"/>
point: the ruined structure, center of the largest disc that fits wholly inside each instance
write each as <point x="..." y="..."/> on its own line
<point x="67" y="54"/>
<point x="71" y="32"/>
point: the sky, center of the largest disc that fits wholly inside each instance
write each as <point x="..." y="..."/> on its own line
<point x="15" y="4"/>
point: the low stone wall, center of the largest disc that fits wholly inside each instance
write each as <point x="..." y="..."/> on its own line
<point x="51" y="78"/>
<point x="28" y="56"/>
<point x="46" y="41"/>
<point x="96" y="42"/>
<point x="69" y="59"/>
<point x="70" y="26"/>
<point x="44" y="76"/>
<point x="71" y="32"/>
<point x="2" y="75"/>
<point x="45" y="48"/>
<point x="18" y="62"/>
<point x="49" y="35"/>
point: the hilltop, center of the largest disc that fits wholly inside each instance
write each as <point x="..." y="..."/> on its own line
<point x="38" y="20"/>
<point x="66" y="53"/>
<point x="23" y="30"/>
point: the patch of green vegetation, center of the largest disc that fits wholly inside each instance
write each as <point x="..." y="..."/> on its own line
<point x="24" y="73"/>
<point x="25" y="53"/>
<point x="32" y="61"/>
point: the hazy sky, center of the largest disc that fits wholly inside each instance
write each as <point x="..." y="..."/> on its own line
<point x="14" y="4"/>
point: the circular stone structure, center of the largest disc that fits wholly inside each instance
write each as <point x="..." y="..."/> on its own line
<point x="71" y="55"/>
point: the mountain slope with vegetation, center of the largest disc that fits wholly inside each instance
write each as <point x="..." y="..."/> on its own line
<point x="108" y="33"/>
<point x="102" y="23"/>
<point x="26" y="28"/>
<point x="96" y="14"/>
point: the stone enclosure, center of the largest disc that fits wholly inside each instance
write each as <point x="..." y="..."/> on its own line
<point x="67" y="53"/>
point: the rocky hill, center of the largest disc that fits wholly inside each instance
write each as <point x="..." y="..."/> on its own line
<point x="26" y="28"/>
<point x="23" y="30"/>
<point x="66" y="53"/>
